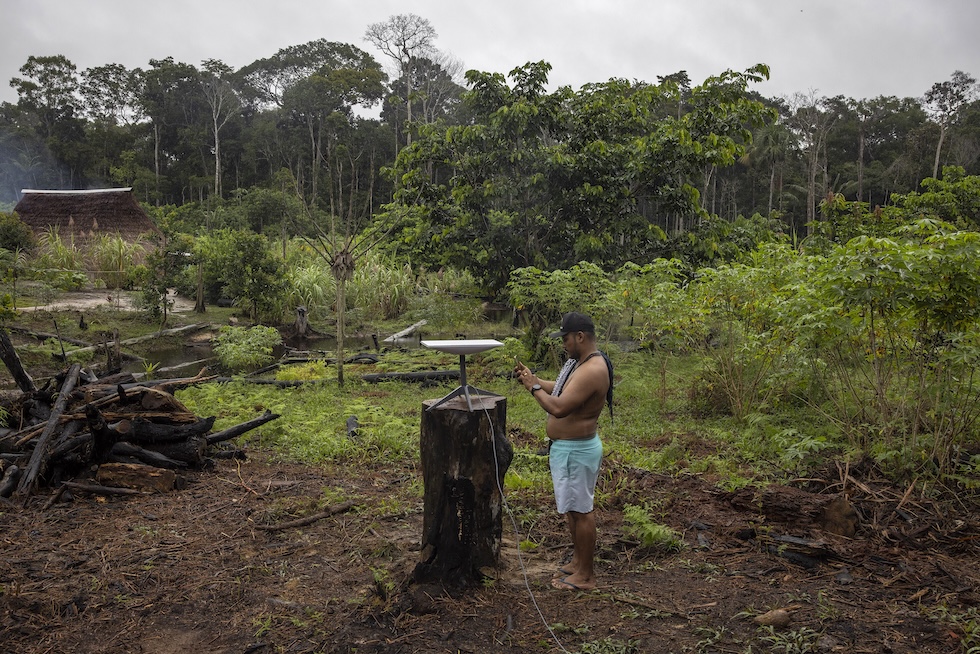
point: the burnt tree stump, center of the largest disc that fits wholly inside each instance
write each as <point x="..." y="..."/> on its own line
<point x="464" y="456"/>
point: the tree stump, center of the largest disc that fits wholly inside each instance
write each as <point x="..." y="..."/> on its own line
<point x="464" y="455"/>
<point x="301" y="327"/>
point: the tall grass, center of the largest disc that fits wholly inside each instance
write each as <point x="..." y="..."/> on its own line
<point x="113" y="258"/>
<point x="59" y="262"/>
<point x="311" y="285"/>
<point x="380" y="287"/>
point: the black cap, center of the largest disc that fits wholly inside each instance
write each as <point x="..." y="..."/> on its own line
<point x="574" y="322"/>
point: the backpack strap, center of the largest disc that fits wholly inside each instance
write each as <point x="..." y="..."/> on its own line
<point x="609" y="393"/>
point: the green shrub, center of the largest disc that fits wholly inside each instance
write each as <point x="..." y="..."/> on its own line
<point x="241" y="348"/>
<point x="14" y="233"/>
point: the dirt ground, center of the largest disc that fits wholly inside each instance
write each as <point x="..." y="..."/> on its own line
<point x="200" y="569"/>
<point x="194" y="571"/>
<point x="121" y="300"/>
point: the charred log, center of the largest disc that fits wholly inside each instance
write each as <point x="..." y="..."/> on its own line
<point x="39" y="458"/>
<point x="9" y="480"/>
<point x="145" y="432"/>
<point x="10" y="359"/>
<point x="238" y="430"/>
<point x="123" y="451"/>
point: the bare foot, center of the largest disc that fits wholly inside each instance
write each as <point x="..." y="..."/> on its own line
<point x="566" y="584"/>
<point x="564" y="571"/>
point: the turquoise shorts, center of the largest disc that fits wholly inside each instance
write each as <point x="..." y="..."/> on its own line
<point x="574" y="472"/>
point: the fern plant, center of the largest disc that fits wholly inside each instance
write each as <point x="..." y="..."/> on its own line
<point x="638" y="523"/>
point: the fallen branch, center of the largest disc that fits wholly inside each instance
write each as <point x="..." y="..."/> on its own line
<point x="308" y="520"/>
<point x="428" y="375"/>
<point x="406" y="332"/>
<point x="238" y="430"/>
<point x="140" y="339"/>
<point x="44" y="336"/>
<point x="149" y="457"/>
<point x="295" y="383"/>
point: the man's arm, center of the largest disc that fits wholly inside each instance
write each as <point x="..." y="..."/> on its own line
<point x="580" y="387"/>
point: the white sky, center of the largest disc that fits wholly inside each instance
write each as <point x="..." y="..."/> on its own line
<point x="856" y="48"/>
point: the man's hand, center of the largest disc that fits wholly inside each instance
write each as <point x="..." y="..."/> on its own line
<point x="525" y="376"/>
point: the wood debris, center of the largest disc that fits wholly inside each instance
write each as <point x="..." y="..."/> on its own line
<point x="120" y="433"/>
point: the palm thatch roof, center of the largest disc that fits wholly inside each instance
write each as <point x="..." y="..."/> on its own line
<point x="82" y="215"/>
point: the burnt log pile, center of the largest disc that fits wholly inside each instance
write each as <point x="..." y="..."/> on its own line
<point x="109" y="436"/>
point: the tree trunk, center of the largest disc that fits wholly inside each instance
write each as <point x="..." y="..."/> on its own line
<point x="199" y="305"/>
<point x="860" y="162"/>
<point x="141" y="339"/>
<point x="939" y="149"/>
<point x="136" y="477"/>
<point x="464" y="456"/>
<point x="9" y="356"/>
<point x="424" y="376"/>
<point x="39" y="458"/>
<point x="239" y="429"/>
<point x="302" y="325"/>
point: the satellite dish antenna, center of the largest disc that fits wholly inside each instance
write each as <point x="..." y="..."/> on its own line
<point x="462" y="348"/>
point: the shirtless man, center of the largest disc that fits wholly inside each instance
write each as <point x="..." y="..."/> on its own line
<point x="573" y="403"/>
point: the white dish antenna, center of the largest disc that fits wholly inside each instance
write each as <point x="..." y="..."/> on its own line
<point x="462" y="348"/>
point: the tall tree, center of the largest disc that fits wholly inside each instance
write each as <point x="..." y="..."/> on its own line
<point x="48" y="89"/>
<point x="111" y="94"/>
<point x="771" y="146"/>
<point x="437" y="95"/>
<point x="403" y="38"/>
<point x="48" y="98"/>
<point x="223" y="101"/>
<point x="111" y="103"/>
<point x="170" y="99"/>
<point x="944" y="100"/>
<point x="811" y="120"/>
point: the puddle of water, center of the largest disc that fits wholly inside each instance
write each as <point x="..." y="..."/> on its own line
<point x="171" y="355"/>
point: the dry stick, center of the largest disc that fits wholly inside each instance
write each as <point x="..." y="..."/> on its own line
<point x="57" y="330"/>
<point x="55" y="496"/>
<point x="907" y="493"/>
<point x="24" y="436"/>
<point x="636" y="602"/>
<point x="308" y="520"/>
<point x="39" y="457"/>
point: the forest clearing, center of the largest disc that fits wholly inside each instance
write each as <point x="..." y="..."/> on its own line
<point x="786" y="289"/>
<point x="217" y="567"/>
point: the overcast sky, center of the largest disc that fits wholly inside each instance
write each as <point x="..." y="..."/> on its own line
<point x="856" y="48"/>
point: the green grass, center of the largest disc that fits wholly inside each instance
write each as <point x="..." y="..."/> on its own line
<point x="657" y="428"/>
<point x="312" y="426"/>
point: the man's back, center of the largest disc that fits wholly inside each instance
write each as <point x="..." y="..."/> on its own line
<point x="583" y="395"/>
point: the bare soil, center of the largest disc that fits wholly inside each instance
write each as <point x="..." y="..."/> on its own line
<point x="195" y="571"/>
<point x="200" y="570"/>
<point x="106" y="299"/>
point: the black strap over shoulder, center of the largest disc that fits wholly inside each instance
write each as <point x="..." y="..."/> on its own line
<point x="609" y="368"/>
<point x="609" y="393"/>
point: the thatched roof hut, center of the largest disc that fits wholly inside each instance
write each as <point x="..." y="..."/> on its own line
<point x="81" y="215"/>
